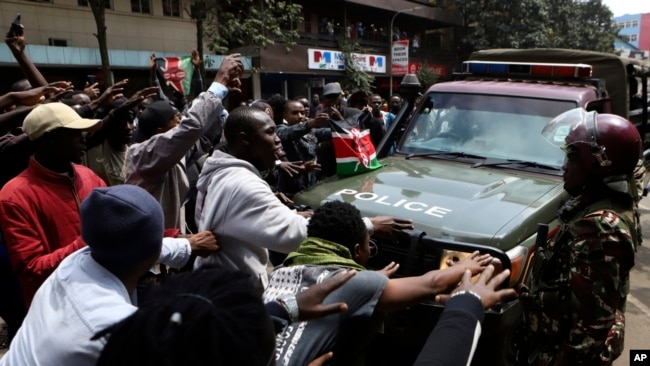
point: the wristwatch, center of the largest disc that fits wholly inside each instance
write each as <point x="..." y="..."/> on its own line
<point x="277" y="163"/>
<point x="290" y="304"/>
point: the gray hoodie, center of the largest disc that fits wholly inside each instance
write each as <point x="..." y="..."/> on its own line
<point x="238" y="206"/>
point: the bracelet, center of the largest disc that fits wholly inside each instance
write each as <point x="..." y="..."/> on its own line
<point x="290" y="305"/>
<point x="463" y="292"/>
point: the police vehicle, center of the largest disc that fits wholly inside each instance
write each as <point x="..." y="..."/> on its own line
<point x="470" y="167"/>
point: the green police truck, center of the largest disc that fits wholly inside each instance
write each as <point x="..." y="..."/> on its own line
<point x="470" y="167"/>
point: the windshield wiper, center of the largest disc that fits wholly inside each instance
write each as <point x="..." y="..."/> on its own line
<point x="531" y="164"/>
<point x="454" y="154"/>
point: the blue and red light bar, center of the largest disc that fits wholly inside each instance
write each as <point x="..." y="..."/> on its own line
<point x="526" y="69"/>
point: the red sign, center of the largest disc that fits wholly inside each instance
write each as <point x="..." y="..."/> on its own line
<point x="400" y="57"/>
<point x="440" y="70"/>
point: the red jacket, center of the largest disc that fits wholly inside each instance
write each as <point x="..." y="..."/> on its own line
<point x="39" y="218"/>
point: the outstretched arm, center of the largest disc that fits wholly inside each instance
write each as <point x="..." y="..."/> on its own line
<point x="14" y="118"/>
<point x="28" y="97"/>
<point x="15" y="39"/>
<point x="118" y="115"/>
<point x="402" y="292"/>
<point x="197" y="78"/>
<point x="153" y="78"/>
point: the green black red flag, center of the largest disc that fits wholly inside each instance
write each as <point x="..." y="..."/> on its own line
<point x="176" y="72"/>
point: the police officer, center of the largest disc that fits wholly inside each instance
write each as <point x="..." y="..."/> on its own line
<point x="574" y="298"/>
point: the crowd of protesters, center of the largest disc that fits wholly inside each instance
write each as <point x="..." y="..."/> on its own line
<point x="151" y="218"/>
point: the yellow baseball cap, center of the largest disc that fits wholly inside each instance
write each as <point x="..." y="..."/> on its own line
<point x="50" y="116"/>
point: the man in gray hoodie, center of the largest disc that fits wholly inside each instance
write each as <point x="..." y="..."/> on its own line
<point x="236" y="204"/>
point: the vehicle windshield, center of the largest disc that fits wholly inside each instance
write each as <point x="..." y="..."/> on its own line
<point x="494" y="127"/>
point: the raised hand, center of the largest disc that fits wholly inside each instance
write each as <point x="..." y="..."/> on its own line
<point x="15" y="38"/>
<point x="230" y="71"/>
<point x="391" y="228"/>
<point x="311" y="166"/>
<point x="475" y="262"/>
<point x="196" y="59"/>
<point x="485" y="287"/>
<point x="390" y="269"/>
<point x="36" y="95"/>
<point x="319" y="121"/>
<point x="335" y="114"/>
<point x="62" y="84"/>
<point x="291" y="168"/>
<point x="61" y="91"/>
<point x="139" y="96"/>
<point x="152" y="62"/>
<point x="91" y="90"/>
<point x="310" y="300"/>
<point x="111" y="93"/>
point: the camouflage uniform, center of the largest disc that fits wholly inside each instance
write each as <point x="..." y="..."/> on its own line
<point x="574" y="299"/>
<point x="637" y="188"/>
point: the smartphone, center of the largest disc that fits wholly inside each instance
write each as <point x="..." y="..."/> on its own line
<point x="91" y="79"/>
<point x="16" y="27"/>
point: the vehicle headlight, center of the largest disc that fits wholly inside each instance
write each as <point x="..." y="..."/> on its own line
<point x="518" y="261"/>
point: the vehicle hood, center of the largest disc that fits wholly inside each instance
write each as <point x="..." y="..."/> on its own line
<point x="448" y="199"/>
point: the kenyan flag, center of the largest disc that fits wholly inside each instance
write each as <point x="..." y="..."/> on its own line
<point x="355" y="153"/>
<point x="176" y="72"/>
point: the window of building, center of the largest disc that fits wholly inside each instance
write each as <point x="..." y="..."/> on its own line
<point x="141" y="6"/>
<point x="632" y="37"/>
<point x="621" y="25"/>
<point x="628" y="24"/>
<point x="107" y="3"/>
<point x="635" y="23"/>
<point x="171" y="8"/>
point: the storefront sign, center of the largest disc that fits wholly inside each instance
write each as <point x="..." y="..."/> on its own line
<point x="334" y="60"/>
<point x="440" y="70"/>
<point x="400" y="57"/>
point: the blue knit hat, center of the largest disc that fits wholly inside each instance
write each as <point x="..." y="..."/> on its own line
<point x="122" y="225"/>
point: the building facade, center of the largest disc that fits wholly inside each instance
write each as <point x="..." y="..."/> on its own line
<point x="61" y="41"/>
<point x="634" y="34"/>
<point x="427" y="29"/>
